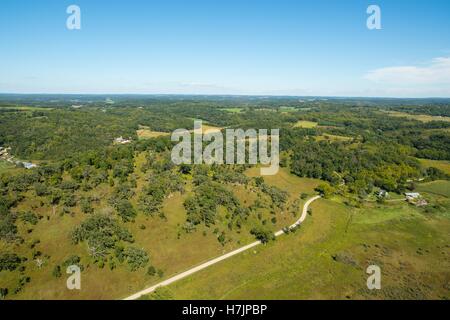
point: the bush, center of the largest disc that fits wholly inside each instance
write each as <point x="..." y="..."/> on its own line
<point x="29" y="217"/>
<point x="41" y="189"/>
<point x="86" y="206"/>
<point x="136" y="258"/>
<point x="9" y="261"/>
<point x="57" y="272"/>
<point x="262" y="234"/>
<point x="3" y="293"/>
<point x="125" y="210"/>
<point x="8" y="229"/>
<point x="151" y="271"/>
<point x="325" y="190"/>
<point x="73" y="260"/>
<point x="102" y="233"/>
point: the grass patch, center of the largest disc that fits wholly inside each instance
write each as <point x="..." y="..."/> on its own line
<point x="441" y="187"/>
<point x="149" y="134"/>
<point x="331" y="137"/>
<point x="233" y="110"/>
<point x="306" y="124"/>
<point x="442" y="165"/>
<point x="5" y="166"/>
<point x="287" y="109"/>
<point x="327" y="259"/>
<point x="418" y="117"/>
<point x="26" y="108"/>
<point x="286" y="181"/>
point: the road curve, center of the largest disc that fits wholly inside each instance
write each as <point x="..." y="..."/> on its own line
<point x="218" y="259"/>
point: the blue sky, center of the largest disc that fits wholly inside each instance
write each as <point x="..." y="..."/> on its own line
<point x="320" y="47"/>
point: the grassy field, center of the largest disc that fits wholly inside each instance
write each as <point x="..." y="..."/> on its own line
<point x="306" y="124"/>
<point x="286" y="181"/>
<point x="327" y="259"/>
<point x="419" y="117"/>
<point x="170" y="249"/>
<point x="441" y="188"/>
<point x="331" y="137"/>
<point x="210" y="129"/>
<point x="26" y="108"/>
<point x="287" y="109"/>
<point x="233" y="110"/>
<point x="4" y="166"/>
<point x="149" y="134"/>
<point x="439" y="164"/>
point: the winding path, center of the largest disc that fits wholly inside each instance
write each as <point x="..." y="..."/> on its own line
<point x="218" y="259"/>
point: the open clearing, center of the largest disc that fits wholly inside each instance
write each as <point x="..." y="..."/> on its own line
<point x="439" y="164"/>
<point x="149" y="134"/>
<point x="332" y="137"/>
<point x="233" y="110"/>
<point x="4" y="166"/>
<point x="221" y="258"/>
<point x="306" y="124"/>
<point x="441" y="187"/>
<point x="286" y="109"/>
<point x="26" y="108"/>
<point x="327" y="259"/>
<point x="419" y="117"/>
<point x="206" y="129"/>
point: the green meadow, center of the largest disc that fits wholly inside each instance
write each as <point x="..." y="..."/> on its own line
<point x="327" y="259"/>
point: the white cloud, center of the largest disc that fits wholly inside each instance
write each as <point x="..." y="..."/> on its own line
<point x="437" y="72"/>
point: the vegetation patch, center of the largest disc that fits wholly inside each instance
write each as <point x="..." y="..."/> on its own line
<point x="149" y="134"/>
<point x="306" y="124"/>
<point x="441" y="188"/>
<point x="418" y="117"/>
<point x="442" y="165"/>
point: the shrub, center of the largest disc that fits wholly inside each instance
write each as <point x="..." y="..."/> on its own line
<point x="101" y="232"/>
<point x="151" y="271"/>
<point x="57" y="272"/>
<point x="125" y="210"/>
<point x="9" y="261"/>
<point x="262" y="234"/>
<point x="8" y="229"/>
<point x="136" y="258"/>
<point x="29" y="217"/>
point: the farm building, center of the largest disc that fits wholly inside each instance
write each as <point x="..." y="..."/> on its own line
<point x="412" y="195"/>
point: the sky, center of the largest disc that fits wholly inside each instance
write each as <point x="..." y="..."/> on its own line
<point x="248" y="47"/>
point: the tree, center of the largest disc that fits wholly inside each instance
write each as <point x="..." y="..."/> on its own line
<point x="9" y="261"/>
<point x="325" y="190"/>
<point x="136" y="258"/>
<point x="57" y="272"/>
<point x="3" y="293"/>
<point x="151" y="271"/>
<point x="262" y="234"/>
<point x="86" y="206"/>
<point x="125" y="210"/>
<point x="101" y="232"/>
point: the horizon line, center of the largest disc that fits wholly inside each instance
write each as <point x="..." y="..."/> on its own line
<point x="223" y="95"/>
